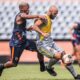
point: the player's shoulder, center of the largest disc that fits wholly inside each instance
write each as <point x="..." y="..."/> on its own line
<point x="20" y="14"/>
<point x="41" y="20"/>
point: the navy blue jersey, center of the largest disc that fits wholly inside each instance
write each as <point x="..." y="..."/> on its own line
<point x="77" y="31"/>
<point x="19" y="33"/>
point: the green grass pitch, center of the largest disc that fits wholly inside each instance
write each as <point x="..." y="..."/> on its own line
<point x="32" y="72"/>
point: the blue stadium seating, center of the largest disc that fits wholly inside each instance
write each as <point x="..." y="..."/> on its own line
<point x="69" y="12"/>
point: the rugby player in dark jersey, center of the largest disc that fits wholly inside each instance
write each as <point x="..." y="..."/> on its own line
<point x="18" y="41"/>
<point x="75" y="32"/>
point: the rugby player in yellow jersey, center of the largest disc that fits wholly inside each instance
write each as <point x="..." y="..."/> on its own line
<point x="48" y="47"/>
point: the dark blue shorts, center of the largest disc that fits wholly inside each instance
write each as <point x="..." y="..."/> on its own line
<point x="76" y="42"/>
<point x="16" y="51"/>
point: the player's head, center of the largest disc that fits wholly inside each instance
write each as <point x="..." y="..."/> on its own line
<point x="24" y="7"/>
<point x="53" y="11"/>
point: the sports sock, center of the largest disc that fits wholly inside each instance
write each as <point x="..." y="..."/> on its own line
<point x="41" y="63"/>
<point x="51" y="63"/>
<point x="71" y="70"/>
<point x="1" y="66"/>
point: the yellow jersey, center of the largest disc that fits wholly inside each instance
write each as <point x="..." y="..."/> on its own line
<point x="46" y="27"/>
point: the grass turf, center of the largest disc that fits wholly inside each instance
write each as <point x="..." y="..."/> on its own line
<point x="31" y="72"/>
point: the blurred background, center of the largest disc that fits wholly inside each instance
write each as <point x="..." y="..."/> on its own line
<point x="69" y="12"/>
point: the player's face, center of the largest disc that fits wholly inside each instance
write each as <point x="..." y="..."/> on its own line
<point x="26" y="9"/>
<point x="53" y="12"/>
<point x="53" y="15"/>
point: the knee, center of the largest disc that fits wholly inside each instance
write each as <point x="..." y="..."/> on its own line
<point x="59" y="55"/>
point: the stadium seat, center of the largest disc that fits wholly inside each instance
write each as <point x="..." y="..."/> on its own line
<point x="66" y="16"/>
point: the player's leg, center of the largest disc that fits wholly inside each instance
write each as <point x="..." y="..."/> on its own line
<point x="69" y="65"/>
<point x="52" y="62"/>
<point x="74" y="48"/>
<point x="39" y="56"/>
<point x="56" y="55"/>
<point x="47" y="51"/>
<point x="32" y="47"/>
<point x="76" y="44"/>
<point x="59" y="54"/>
<point x="41" y="61"/>
<point x="15" y="55"/>
<point x="55" y="58"/>
<point x="70" y="68"/>
<point x="78" y="53"/>
<point x="51" y="50"/>
<point x="44" y="51"/>
<point x="50" y="68"/>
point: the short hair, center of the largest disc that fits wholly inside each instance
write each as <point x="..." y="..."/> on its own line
<point x="21" y="4"/>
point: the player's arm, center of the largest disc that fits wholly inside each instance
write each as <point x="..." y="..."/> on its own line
<point x="26" y="16"/>
<point x="36" y="27"/>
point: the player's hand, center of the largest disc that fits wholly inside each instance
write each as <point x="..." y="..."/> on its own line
<point x="45" y="34"/>
<point x="29" y="29"/>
